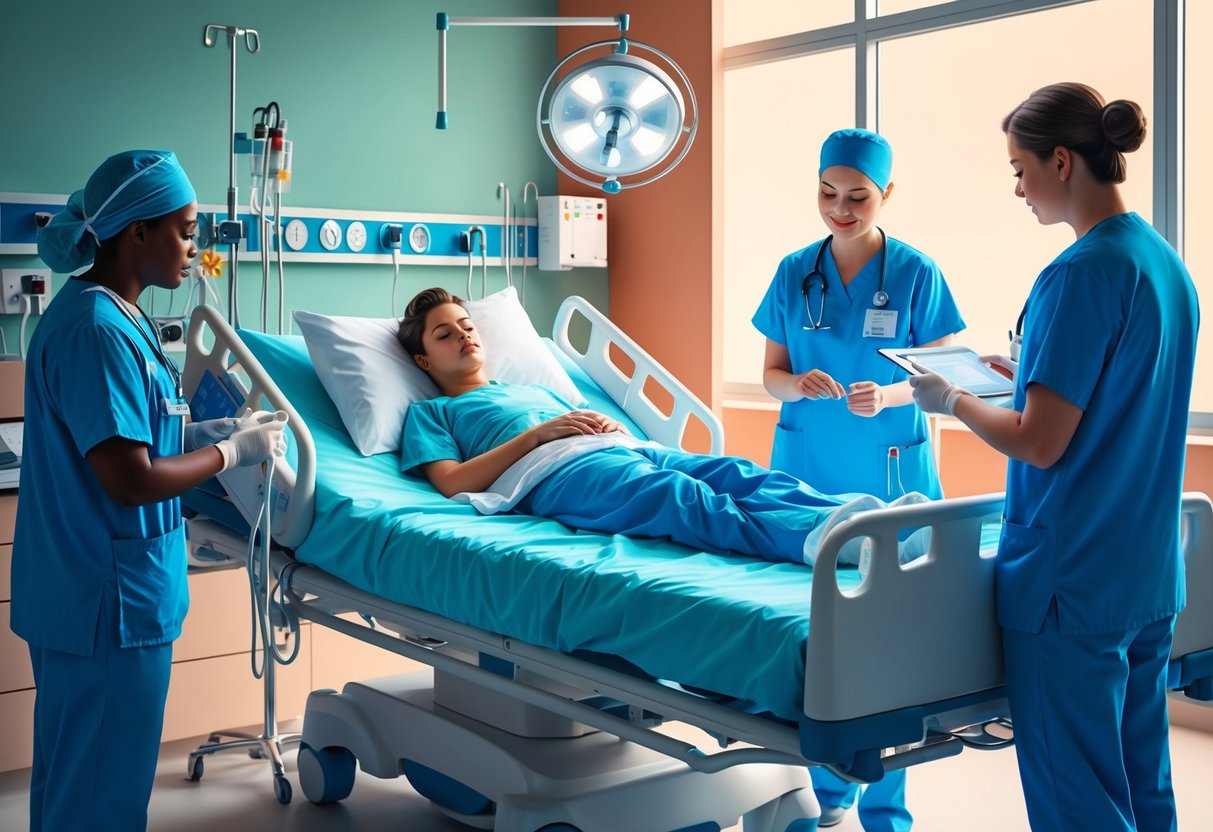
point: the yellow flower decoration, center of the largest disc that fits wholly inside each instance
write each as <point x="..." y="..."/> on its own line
<point x="211" y="263"/>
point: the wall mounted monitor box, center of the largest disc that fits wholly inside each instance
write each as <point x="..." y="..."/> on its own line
<point x="959" y="365"/>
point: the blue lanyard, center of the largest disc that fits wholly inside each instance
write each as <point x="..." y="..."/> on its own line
<point x="154" y="345"/>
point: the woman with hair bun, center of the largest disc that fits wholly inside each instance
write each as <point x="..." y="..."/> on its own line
<point x="1089" y="568"/>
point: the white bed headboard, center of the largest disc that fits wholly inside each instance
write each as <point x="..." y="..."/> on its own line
<point x="294" y="522"/>
<point x="627" y="391"/>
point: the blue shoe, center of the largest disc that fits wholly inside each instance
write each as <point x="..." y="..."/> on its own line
<point x="831" y="816"/>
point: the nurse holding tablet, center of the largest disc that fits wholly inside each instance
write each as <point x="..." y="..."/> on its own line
<point x="1089" y="573"/>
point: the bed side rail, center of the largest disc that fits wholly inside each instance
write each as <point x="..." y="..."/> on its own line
<point x="1194" y="627"/>
<point x="905" y="636"/>
<point x="626" y="390"/>
<point x="294" y="523"/>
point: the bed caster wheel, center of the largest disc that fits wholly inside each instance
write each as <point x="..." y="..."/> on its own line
<point x="282" y="789"/>
<point x="255" y="753"/>
<point x="559" y="827"/>
<point x="195" y="773"/>
<point x="326" y="775"/>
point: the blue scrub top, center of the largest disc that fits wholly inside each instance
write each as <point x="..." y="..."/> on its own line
<point x="821" y="441"/>
<point x="1110" y="326"/>
<point x="91" y="376"/>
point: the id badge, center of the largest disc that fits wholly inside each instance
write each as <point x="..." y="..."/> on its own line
<point x="175" y="407"/>
<point x="880" y="323"/>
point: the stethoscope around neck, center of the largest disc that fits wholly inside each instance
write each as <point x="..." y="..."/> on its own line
<point x="880" y="299"/>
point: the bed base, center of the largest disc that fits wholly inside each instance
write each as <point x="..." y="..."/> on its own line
<point x="591" y="783"/>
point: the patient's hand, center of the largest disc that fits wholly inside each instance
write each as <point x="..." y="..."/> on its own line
<point x="576" y="423"/>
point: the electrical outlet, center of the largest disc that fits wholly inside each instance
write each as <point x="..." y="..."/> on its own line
<point x="13" y="284"/>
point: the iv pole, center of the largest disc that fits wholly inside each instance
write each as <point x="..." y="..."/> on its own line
<point x="231" y="231"/>
<point x="270" y="743"/>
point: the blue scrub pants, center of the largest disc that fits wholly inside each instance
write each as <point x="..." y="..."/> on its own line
<point x="1090" y="714"/>
<point x="711" y="503"/>
<point x="97" y="723"/>
<point x="882" y="806"/>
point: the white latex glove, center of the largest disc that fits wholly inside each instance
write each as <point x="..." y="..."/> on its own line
<point x="256" y="438"/>
<point x="200" y="434"/>
<point x="935" y="394"/>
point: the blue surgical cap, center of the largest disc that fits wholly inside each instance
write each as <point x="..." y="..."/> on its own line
<point x="865" y="151"/>
<point x="130" y="186"/>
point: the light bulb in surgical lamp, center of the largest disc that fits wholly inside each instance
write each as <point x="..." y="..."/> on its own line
<point x="617" y="115"/>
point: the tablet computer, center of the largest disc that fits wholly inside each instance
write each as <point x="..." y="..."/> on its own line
<point x="959" y="365"/>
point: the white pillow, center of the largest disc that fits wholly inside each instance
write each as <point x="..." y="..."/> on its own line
<point x="372" y="382"/>
<point x="514" y="352"/>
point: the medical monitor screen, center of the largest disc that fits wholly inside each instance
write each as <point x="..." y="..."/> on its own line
<point x="959" y="365"/>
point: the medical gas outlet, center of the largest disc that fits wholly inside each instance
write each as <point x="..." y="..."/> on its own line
<point x="24" y="291"/>
<point x="572" y="232"/>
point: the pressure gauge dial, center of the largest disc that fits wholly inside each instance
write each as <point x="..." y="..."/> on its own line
<point x="355" y="236"/>
<point x="330" y="235"/>
<point x="295" y="235"/>
<point x="419" y="239"/>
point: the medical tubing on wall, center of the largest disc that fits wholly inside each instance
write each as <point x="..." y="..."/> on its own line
<point x="25" y="313"/>
<point x="282" y="320"/>
<point x="525" y="236"/>
<point x="396" y="274"/>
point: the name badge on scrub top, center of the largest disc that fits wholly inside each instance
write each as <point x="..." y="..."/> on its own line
<point x="175" y="407"/>
<point x="880" y="323"/>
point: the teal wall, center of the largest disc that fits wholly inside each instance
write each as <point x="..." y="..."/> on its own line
<point x="357" y="81"/>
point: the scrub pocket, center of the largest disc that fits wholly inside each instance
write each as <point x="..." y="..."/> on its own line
<point x="152" y="593"/>
<point x="1023" y="576"/>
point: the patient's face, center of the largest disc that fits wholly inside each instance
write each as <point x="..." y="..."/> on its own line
<point x="452" y="344"/>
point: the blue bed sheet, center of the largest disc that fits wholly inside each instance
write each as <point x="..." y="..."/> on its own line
<point x="730" y="624"/>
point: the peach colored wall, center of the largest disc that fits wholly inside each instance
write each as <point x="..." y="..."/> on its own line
<point x="665" y="245"/>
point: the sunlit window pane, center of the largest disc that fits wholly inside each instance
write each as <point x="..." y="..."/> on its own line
<point x="1198" y="184"/>
<point x="954" y="196"/>
<point x="778" y="116"/>
<point x="747" y="20"/>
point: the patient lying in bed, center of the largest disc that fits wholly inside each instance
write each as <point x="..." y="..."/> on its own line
<point x="502" y="446"/>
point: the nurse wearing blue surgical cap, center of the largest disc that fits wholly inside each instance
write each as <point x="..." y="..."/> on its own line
<point x="98" y="574"/>
<point x="1089" y="574"/>
<point x="844" y="425"/>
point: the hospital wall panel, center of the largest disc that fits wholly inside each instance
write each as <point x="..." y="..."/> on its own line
<point x="6" y="562"/>
<point x="8" y="516"/>
<point x="16" y="672"/>
<point x="219" y="621"/>
<point x="17" y="728"/>
<point x="358" y="88"/>
<point x="220" y="693"/>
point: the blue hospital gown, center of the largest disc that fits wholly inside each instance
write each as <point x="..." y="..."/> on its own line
<point x="709" y="503"/>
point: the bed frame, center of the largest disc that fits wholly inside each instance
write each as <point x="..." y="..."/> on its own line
<point x="475" y="735"/>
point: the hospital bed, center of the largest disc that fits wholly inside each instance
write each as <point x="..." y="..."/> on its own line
<point x="555" y="654"/>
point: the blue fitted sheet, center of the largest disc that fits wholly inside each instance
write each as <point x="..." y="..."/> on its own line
<point x="733" y="625"/>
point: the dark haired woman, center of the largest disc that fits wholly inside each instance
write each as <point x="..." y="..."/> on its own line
<point x="1089" y="571"/>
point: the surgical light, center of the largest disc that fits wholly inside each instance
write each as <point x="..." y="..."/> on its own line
<point x="618" y="115"/>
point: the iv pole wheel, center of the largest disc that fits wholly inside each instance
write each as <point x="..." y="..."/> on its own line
<point x="282" y="789"/>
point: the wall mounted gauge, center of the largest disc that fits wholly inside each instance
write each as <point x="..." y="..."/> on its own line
<point x="330" y="235"/>
<point x="355" y="236"/>
<point x="419" y="239"/>
<point x="295" y="235"/>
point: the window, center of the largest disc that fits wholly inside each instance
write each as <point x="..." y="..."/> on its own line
<point x="954" y="196"/>
<point x="939" y="88"/>
<point x="778" y="116"/>
<point x="760" y="19"/>
<point x="1198" y="184"/>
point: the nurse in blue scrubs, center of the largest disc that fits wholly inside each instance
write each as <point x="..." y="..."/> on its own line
<point x="844" y="425"/>
<point x="98" y="574"/>
<point x="1089" y="569"/>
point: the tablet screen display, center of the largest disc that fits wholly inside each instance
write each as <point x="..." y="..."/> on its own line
<point x="959" y="365"/>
